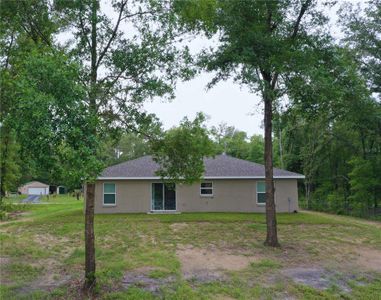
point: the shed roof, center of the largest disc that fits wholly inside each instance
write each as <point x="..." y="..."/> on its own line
<point x="35" y="183"/>
<point x="221" y="166"/>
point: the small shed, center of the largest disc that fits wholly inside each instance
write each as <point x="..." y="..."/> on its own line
<point x="34" y="188"/>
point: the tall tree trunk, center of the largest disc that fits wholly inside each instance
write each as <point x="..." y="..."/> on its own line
<point x="3" y="159"/>
<point x="89" y="238"/>
<point x="272" y="235"/>
<point x="90" y="278"/>
<point x="307" y="188"/>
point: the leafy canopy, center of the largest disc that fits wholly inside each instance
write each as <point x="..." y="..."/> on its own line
<point x="180" y="151"/>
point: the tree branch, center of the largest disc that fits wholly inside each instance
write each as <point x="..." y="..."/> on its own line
<point x="141" y="13"/>
<point x="113" y="35"/>
<point x="9" y="50"/>
<point x="295" y="31"/>
<point x="303" y="9"/>
<point x="82" y="27"/>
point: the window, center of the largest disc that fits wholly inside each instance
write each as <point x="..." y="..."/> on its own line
<point x="261" y="193"/>
<point x="206" y="189"/>
<point x="109" y="194"/>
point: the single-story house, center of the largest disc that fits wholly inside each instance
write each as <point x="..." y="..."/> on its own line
<point x="229" y="185"/>
<point x="34" y="188"/>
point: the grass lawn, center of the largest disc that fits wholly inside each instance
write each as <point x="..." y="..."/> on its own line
<point x="188" y="256"/>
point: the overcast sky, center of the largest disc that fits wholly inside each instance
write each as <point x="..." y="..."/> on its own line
<point x="226" y="102"/>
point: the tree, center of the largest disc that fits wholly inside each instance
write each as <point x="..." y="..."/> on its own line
<point x="331" y="121"/>
<point x="26" y="33"/>
<point x="236" y="143"/>
<point x="365" y="184"/>
<point x="362" y="34"/>
<point x="261" y="44"/>
<point x="9" y="167"/>
<point x="127" y="146"/>
<point x="179" y="150"/>
<point x="124" y="63"/>
<point x="231" y="141"/>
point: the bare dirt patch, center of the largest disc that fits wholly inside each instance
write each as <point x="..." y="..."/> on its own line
<point x="322" y="278"/>
<point x="206" y="265"/>
<point x="369" y="259"/>
<point x="176" y="227"/>
<point x="212" y="259"/>
<point x="52" y="277"/>
<point x="140" y="277"/>
<point x="3" y="262"/>
<point x="49" y="239"/>
<point x="317" y="278"/>
<point x="47" y="282"/>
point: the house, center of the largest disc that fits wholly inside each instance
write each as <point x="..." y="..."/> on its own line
<point x="57" y="189"/>
<point x="229" y="185"/>
<point x="34" y="188"/>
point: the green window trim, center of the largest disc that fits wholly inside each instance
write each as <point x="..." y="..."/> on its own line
<point x="109" y="194"/>
<point x="261" y="193"/>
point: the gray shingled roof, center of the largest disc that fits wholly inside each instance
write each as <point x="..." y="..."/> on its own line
<point x="219" y="166"/>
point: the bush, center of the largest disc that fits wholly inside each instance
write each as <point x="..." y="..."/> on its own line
<point x="6" y="208"/>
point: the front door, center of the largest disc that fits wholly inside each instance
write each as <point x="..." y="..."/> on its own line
<point x="163" y="196"/>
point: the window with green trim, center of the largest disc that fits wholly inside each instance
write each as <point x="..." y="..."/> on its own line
<point x="261" y="192"/>
<point x="109" y="194"/>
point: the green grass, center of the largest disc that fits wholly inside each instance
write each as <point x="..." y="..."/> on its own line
<point x="46" y="243"/>
<point x="15" y="198"/>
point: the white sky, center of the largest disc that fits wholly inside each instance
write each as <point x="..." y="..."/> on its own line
<point x="226" y="102"/>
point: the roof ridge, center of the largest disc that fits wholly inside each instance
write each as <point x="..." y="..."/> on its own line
<point x="240" y="159"/>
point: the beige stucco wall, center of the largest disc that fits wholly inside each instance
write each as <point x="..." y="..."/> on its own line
<point x="233" y="195"/>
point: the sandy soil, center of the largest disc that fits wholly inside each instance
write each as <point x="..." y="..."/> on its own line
<point x="369" y="259"/>
<point x="176" y="227"/>
<point x="212" y="259"/>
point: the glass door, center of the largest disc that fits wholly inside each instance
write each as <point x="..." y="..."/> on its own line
<point x="163" y="196"/>
<point x="157" y="196"/>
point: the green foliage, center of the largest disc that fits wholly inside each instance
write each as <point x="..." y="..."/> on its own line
<point x="362" y="34"/>
<point x="332" y="122"/>
<point x="365" y="184"/>
<point x="236" y="143"/>
<point x="126" y="147"/>
<point x="256" y="151"/>
<point x="181" y="151"/>
<point x="262" y="45"/>
<point x="257" y="38"/>
<point x="9" y="158"/>
<point x="51" y="119"/>
<point x="61" y="106"/>
<point x="41" y="98"/>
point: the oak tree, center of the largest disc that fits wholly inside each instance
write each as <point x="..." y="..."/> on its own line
<point x="261" y="44"/>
